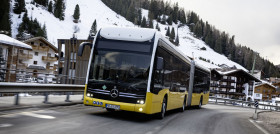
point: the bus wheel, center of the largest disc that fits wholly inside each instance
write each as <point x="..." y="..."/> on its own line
<point x="184" y="106"/>
<point x="110" y="110"/>
<point x="163" y="109"/>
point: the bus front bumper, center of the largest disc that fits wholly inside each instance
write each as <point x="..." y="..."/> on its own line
<point x="141" y="108"/>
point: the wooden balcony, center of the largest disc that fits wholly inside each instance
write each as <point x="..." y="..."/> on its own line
<point x="25" y="56"/>
<point x="41" y="48"/>
<point x="52" y="68"/>
<point x="22" y="65"/>
<point x="46" y="58"/>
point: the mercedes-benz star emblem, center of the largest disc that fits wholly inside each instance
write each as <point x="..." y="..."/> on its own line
<point x="114" y="93"/>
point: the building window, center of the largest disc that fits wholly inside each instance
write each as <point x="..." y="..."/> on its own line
<point x="49" y="54"/>
<point x="35" y="62"/>
<point x="36" y="53"/>
<point x="32" y="43"/>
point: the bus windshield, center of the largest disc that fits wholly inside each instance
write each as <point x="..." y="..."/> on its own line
<point x="120" y="64"/>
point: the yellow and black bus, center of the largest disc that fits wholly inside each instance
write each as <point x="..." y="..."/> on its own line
<point x="138" y="69"/>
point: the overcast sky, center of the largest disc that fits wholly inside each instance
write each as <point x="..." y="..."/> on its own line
<point x="255" y="23"/>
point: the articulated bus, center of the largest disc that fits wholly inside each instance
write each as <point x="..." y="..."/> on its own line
<point x="138" y="69"/>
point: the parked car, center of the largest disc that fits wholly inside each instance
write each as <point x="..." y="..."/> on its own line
<point x="43" y="80"/>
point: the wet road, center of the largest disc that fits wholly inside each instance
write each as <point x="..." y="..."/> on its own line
<point x="79" y="119"/>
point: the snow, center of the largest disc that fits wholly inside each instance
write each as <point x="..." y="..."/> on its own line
<point x="11" y="41"/>
<point x="105" y="17"/>
<point x="89" y="11"/>
<point x="130" y="34"/>
<point x="145" y="13"/>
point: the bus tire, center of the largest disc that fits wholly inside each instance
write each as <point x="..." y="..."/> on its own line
<point x="182" y="109"/>
<point x="163" y="109"/>
<point x="200" y="103"/>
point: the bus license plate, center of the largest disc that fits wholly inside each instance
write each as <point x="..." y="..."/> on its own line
<point x="117" y="107"/>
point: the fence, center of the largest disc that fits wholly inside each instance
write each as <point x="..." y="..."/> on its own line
<point x="45" y="89"/>
<point x="248" y="104"/>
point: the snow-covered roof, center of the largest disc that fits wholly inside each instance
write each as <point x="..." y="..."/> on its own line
<point x="227" y="72"/>
<point x="43" y="40"/>
<point x="13" y="42"/>
<point x="222" y="72"/>
<point x="129" y="34"/>
<point x="199" y="65"/>
<point x="266" y="84"/>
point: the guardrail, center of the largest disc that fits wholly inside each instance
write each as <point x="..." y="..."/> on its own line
<point x="46" y="89"/>
<point x="248" y="104"/>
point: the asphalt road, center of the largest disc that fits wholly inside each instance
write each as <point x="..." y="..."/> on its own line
<point x="79" y="119"/>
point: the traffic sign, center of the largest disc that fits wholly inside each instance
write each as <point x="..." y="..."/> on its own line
<point x="256" y="104"/>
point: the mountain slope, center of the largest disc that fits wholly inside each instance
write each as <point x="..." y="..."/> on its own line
<point x="95" y="9"/>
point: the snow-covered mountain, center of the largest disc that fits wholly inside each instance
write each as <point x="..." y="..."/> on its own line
<point x="96" y="9"/>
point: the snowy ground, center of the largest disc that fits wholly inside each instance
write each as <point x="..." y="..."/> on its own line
<point x="95" y="9"/>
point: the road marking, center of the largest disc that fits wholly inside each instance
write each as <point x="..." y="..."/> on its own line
<point x="37" y="115"/>
<point x="6" y="125"/>
<point x="263" y="130"/>
<point x="31" y="114"/>
<point x="9" y="115"/>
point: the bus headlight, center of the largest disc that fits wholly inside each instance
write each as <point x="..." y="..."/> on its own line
<point x="88" y="94"/>
<point x="140" y="101"/>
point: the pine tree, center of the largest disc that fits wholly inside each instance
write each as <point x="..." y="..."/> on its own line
<point x="45" y="32"/>
<point x="157" y="27"/>
<point x="163" y="20"/>
<point x="139" y="17"/>
<point x="5" y="24"/>
<point x="59" y="9"/>
<point x="167" y="32"/>
<point x="175" y="13"/>
<point x="19" y="6"/>
<point x="50" y="7"/>
<point x="169" y="20"/>
<point x="151" y="24"/>
<point x="93" y="30"/>
<point x="130" y="14"/>
<point x="177" y="39"/>
<point x="172" y="35"/>
<point x="30" y="28"/>
<point x="42" y="2"/>
<point x="76" y="14"/>
<point x="144" y="22"/>
<point x="218" y="46"/>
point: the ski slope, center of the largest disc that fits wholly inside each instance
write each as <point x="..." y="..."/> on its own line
<point x="96" y="9"/>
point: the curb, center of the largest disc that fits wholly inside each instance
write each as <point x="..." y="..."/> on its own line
<point x="39" y="106"/>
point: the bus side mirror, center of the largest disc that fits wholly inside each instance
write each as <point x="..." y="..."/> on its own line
<point x="82" y="46"/>
<point x="159" y="63"/>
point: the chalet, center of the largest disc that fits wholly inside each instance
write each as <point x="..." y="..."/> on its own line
<point x="265" y="92"/>
<point x="72" y="68"/>
<point x="277" y="86"/>
<point x="9" y="54"/>
<point x="232" y="83"/>
<point x="42" y="60"/>
<point x="274" y="80"/>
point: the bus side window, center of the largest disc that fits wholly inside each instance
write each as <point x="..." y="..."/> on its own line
<point x="161" y="78"/>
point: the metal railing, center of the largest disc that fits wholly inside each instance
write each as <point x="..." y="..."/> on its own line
<point x="265" y="105"/>
<point x="45" y="89"/>
<point x="24" y="76"/>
